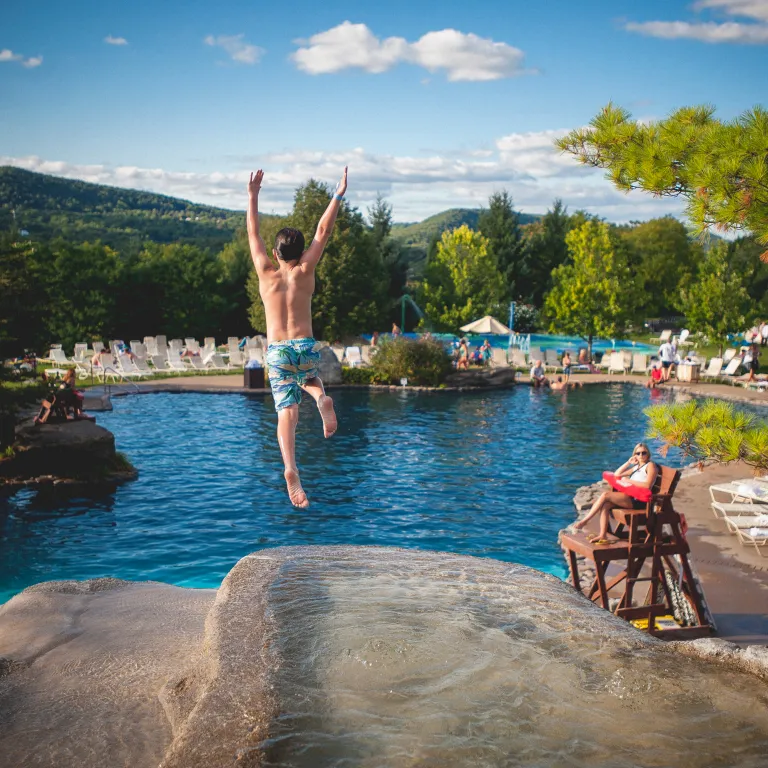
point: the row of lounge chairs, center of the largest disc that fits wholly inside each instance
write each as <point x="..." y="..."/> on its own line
<point x="744" y="510"/>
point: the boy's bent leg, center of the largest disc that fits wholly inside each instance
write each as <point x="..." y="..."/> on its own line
<point x="287" y="418"/>
<point x="314" y="387"/>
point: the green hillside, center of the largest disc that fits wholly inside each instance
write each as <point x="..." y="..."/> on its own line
<point x="52" y="206"/>
<point x="419" y="235"/>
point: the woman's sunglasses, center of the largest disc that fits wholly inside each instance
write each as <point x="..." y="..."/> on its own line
<point x="641" y="453"/>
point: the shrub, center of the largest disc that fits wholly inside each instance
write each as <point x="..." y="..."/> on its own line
<point x="423" y="363"/>
<point x="356" y="376"/>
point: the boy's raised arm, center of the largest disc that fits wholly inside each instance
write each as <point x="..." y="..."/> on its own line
<point x="312" y="255"/>
<point x="259" y="254"/>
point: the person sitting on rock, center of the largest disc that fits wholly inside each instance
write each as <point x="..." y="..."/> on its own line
<point x="538" y="377"/>
<point x="639" y="470"/>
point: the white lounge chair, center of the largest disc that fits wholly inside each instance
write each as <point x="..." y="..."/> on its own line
<point x="663" y="336"/>
<point x="176" y="364"/>
<point x="714" y="368"/>
<point x="682" y="340"/>
<point x="176" y="347"/>
<point x="732" y="370"/>
<point x="739" y="509"/>
<point x="639" y="363"/>
<point x="196" y="363"/>
<point x="142" y="364"/>
<point x="353" y="357"/>
<point x="128" y="367"/>
<point x="257" y="354"/>
<point x="192" y="345"/>
<point x="730" y="353"/>
<point x="236" y="358"/>
<point x="217" y="363"/>
<point x="616" y="363"/>
<point x="339" y="352"/>
<point x="518" y="358"/>
<point x="150" y="344"/>
<point x="98" y="347"/>
<point x="80" y="354"/>
<point x="756" y="537"/>
<point x="499" y="358"/>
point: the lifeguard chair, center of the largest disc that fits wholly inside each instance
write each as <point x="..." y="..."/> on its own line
<point x="650" y="548"/>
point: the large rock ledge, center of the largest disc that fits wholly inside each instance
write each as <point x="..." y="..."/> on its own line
<point x="107" y="672"/>
<point x="70" y="452"/>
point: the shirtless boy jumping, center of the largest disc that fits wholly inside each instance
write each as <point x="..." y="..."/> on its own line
<point x="286" y="288"/>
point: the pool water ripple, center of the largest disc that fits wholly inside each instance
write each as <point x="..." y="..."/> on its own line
<point x="487" y="474"/>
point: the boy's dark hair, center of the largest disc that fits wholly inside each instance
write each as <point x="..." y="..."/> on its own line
<point x="289" y="244"/>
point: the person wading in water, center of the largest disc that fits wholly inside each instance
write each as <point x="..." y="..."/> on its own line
<point x="286" y="286"/>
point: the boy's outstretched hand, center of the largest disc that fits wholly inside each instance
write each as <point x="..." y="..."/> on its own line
<point x="341" y="187"/>
<point x="254" y="185"/>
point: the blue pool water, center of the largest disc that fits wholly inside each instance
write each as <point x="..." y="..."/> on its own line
<point x="481" y="474"/>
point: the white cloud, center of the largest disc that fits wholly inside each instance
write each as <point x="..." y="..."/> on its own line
<point x="526" y="164"/>
<point x="462" y="56"/>
<point x="115" y="40"/>
<point x="711" y="31"/>
<point x="31" y="62"/>
<point x="236" y="48"/>
<point x="751" y="9"/>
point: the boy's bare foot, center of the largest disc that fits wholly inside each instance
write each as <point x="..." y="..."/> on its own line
<point x="325" y="406"/>
<point x="295" y="491"/>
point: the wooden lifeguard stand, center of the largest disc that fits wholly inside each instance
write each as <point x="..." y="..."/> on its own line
<point x="651" y="548"/>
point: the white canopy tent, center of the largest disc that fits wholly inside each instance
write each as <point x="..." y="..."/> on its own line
<point x="486" y="324"/>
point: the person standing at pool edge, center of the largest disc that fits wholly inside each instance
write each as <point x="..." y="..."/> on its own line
<point x="286" y="287"/>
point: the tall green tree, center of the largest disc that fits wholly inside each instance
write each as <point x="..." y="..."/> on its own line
<point x="23" y="298"/>
<point x="543" y="248"/>
<point x="461" y="283"/>
<point x="716" y="301"/>
<point x="662" y="258"/>
<point x="718" y="166"/>
<point x="500" y="224"/>
<point x="594" y="294"/>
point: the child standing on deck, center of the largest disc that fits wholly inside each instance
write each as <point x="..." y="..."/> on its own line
<point x="286" y="286"/>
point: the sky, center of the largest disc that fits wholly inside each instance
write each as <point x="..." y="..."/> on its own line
<point x="433" y="105"/>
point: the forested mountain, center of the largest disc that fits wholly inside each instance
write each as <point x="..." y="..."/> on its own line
<point x="52" y="206"/>
<point x="417" y="236"/>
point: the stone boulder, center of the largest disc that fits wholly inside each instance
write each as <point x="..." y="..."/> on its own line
<point x="482" y="377"/>
<point x="320" y="656"/>
<point x="79" y="449"/>
<point x="330" y="367"/>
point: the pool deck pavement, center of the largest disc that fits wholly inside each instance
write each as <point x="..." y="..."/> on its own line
<point x="735" y="578"/>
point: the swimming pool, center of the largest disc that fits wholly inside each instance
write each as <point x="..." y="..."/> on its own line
<point x="489" y="474"/>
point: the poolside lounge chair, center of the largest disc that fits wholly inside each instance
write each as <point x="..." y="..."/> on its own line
<point x="499" y="358"/>
<point x="236" y="358"/>
<point x="128" y="367"/>
<point x="142" y="365"/>
<point x="639" y="363"/>
<point x="192" y="345"/>
<point x="756" y="537"/>
<point x="217" y="363"/>
<point x="196" y="363"/>
<point x="367" y="351"/>
<point x="81" y="352"/>
<point x="730" y="353"/>
<point x="663" y="336"/>
<point x="682" y="340"/>
<point x="713" y="371"/>
<point x="139" y="350"/>
<point x="98" y="347"/>
<point x="732" y="371"/>
<point x="616" y="363"/>
<point x="353" y="357"/>
<point x="518" y="358"/>
<point x="176" y="364"/>
<point x="257" y="354"/>
<point x="176" y="348"/>
<point x="339" y="352"/>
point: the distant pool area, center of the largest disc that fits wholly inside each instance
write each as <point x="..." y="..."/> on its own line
<point x="545" y="341"/>
<point x="490" y="474"/>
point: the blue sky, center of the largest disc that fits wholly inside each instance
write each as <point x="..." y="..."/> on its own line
<point x="435" y="105"/>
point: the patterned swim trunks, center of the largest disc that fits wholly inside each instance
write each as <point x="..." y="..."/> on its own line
<point x="290" y="364"/>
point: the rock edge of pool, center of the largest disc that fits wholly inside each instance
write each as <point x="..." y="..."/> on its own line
<point x="344" y="655"/>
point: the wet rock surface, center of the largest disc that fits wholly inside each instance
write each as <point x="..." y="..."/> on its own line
<point x="330" y="367"/>
<point x="72" y="450"/>
<point x="482" y="377"/>
<point x="365" y="656"/>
